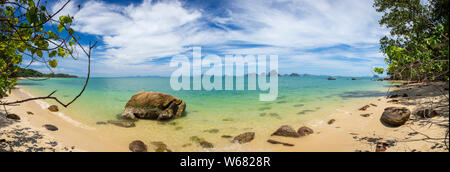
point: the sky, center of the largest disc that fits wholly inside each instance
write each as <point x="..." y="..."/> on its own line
<point x="139" y="37"/>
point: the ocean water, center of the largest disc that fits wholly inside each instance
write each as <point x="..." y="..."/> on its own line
<point x="209" y="114"/>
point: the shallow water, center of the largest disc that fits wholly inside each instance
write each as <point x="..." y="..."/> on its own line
<point x="209" y="114"/>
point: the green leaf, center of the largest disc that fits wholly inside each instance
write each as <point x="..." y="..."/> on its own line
<point x="53" y="63"/>
<point x="60" y="28"/>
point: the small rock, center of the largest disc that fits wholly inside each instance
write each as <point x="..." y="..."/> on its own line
<point x="211" y="131"/>
<point x="405" y="95"/>
<point x="160" y="147"/>
<point x="374" y="105"/>
<point x="304" y="131"/>
<point x="101" y="123"/>
<point x="394" y="96"/>
<point x="426" y="113"/>
<point x="331" y="121"/>
<point x="395" y="116"/>
<point x="50" y="127"/>
<point x="227" y="136"/>
<point x="366" y="115"/>
<point x="393" y="101"/>
<point x="286" y="131"/>
<point x="244" y="138"/>
<point x="364" y="108"/>
<point x="2" y="141"/>
<point x="381" y="147"/>
<point x="125" y="124"/>
<point x="53" y="108"/>
<point x="277" y="142"/>
<point x="30" y="113"/>
<point x="186" y="145"/>
<point x="206" y="145"/>
<point x="13" y="116"/>
<point x="137" y="146"/>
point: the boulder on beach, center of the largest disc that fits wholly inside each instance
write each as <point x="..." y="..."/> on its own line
<point x="395" y="116"/>
<point x="286" y="131"/>
<point x="304" y="131"/>
<point x="53" y="108"/>
<point x="244" y="138"/>
<point x="137" y="146"/>
<point x="426" y="113"/>
<point x="153" y="105"/>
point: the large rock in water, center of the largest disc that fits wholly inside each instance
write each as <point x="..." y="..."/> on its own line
<point x="153" y="105"/>
<point x="395" y="116"/>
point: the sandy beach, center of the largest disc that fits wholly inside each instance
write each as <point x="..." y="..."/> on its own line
<point x="351" y="130"/>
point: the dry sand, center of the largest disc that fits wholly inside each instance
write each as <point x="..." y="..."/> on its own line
<point x="352" y="130"/>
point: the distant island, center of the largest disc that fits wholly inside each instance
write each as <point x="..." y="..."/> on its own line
<point x="22" y="72"/>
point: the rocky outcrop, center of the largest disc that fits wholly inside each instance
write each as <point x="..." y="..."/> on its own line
<point x="154" y="106"/>
<point x="304" y="131"/>
<point x="244" y="138"/>
<point x="395" y="116"/>
<point x="286" y="131"/>
<point x="53" y="108"/>
<point x="137" y="146"/>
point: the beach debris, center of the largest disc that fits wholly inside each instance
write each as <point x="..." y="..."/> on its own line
<point x="227" y="136"/>
<point x="331" y="121"/>
<point x="53" y="108"/>
<point x="374" y="105"/>
<point x="395" y="116"/>
<point x="211" y="131"/>
<point x="366" y="115"/>
<point x="154" y="106"/>
<point x="244" y="138"/>
<point x="160" y="147"/>
<point x="50" y="127"/>
<point x="304" y="131"/>
<point x="426" y="113"/>
<point x="30" y="113"/>
<point x="13" y="116"/>
<point x="364" y="108"/>
<point x="101" y="123"/>
<point x="125" y="124"/>
<point x="286" y="131"/>
<point x="277" y="142"/>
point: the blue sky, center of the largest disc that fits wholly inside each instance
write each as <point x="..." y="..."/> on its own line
<point x="139" y="37"/>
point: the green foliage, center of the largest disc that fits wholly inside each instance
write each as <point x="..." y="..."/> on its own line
<point x="418" y="45"/>
<point x="379" y="70"/>
<point x="23" y="34"/>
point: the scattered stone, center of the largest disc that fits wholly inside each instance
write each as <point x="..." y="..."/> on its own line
<point x="206" y="145"/>
<point x="366" y="115"/>
<point x="30" y="113"/>
<point x="304" y="131"/>
<point x="277" y="142"/>
<point x="244" y="138"/>
<point x="211" y="131"/>
<point x="394" y="96"/>
<point x="50" y="127"/>
<point x="395" y="116"/>
<point x="330" y="122"/>
<point x="137" y="146"/>
<point x="125" y="124"/>
<point x="160" y="147"/>
<point x="405" y="95"/>
<point x="227" y="136"/>
<point x="228" y="119"/>
<point x="374" y="105"/>
<point x="2" y="141"/>
<point x="364" y="108"/>
<point x="13" y="116"/>
<point x="426" y="113"/>
<point x="101" y="123"/>
<point x="393" y="101"/>
<point x="154" y="106"/>
<point x="286" y="131"/>
<point x="53" y="108"/>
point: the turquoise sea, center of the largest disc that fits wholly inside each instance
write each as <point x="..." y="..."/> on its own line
<point x="209" y="114"/>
